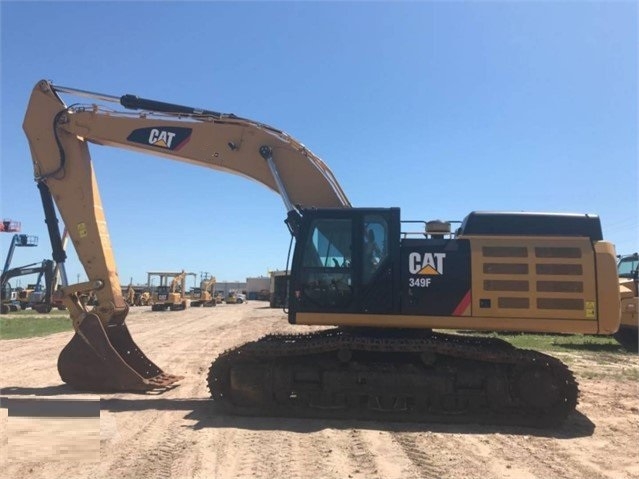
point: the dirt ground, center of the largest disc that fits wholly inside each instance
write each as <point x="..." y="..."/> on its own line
<point x="176" y="435"/>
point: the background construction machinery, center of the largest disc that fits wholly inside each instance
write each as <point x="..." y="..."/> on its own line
<point x="628" y="334"/>
<point x="169" y="295"/>
<point x="39" y="295"/>
<point x="204" y="295"/>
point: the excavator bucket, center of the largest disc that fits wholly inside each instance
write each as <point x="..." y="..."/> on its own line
<point x="107" y="359"/>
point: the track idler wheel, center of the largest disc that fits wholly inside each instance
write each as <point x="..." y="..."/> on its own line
<point x="107" y="359"/>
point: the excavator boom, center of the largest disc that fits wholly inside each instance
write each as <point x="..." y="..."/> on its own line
<point x="102" y="354"/>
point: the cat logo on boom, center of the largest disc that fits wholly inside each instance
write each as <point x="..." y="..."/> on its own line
<point x="161" y="138"/>
<point x="172" y="138"/>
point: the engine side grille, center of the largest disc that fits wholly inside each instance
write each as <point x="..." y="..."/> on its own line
<point x="546" y="278"/>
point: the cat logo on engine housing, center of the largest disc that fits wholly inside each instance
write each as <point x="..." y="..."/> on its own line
<point x="427" y="264"/>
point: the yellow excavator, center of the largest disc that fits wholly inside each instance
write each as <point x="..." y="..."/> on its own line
<point x="129" y="296"/>
<point x="387" y="287"/>
<point x="170" y="296"/>
<point x="203" y="296"/>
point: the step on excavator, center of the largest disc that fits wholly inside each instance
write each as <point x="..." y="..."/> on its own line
<point x="385" y="290"/>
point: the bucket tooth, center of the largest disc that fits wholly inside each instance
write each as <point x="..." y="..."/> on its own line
<point x="107" y="359"/>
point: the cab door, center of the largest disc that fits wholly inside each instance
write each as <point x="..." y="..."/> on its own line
<point x="378" y="268"/>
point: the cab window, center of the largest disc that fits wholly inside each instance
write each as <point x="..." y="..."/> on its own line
<point x="329" y="244"/>
<point x="375" y="248"/>
<point x="326" y="271"/>
<point x="627" y="267"/>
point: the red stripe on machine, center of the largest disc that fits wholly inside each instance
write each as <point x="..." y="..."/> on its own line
<point x="463" y="305"/>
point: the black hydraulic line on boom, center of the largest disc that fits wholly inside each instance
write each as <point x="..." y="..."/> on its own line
<point x="133" y="102"/>
<point x="50" y="218"/>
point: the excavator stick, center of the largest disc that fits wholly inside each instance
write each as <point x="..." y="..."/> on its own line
<point x="107" y="359"/>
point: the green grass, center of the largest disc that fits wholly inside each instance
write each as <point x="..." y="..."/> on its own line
<point x="627" y="374"/>
<point x="604" y="348"/>
<point x="27" y="324"/>
<point x="564" y="343"/>
<point x="611" y="359"/>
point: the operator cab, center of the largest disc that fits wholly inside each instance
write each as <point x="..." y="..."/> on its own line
<point x="357" y="261"/>
<point x="162" y="292"/>
<point x="346" y="260"/>
<point x="628" y="266"/>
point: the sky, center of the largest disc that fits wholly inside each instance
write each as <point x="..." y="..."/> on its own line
<point x="439" y="108"/>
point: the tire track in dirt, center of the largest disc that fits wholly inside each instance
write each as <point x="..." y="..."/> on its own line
<point x="437" y="454"/>
<point x="214" y="453"/>
<point x="242" y="453"/>
<point x="225" y="453"/>
<point x="312" y="452"/>
<point x="162" y="457"/>
<point x="417" y="452"/>
<point x="266" y="455"/>
<point x="371" y="453"/>
<point x="317" y="454"/>
<point x="362" y="458"/>
<point x="151" y="452"/>
<point x="535" y="452"/>
<point x="504" y="456"/>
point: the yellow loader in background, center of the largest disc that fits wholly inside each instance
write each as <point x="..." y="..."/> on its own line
<point x="628" y="334"/>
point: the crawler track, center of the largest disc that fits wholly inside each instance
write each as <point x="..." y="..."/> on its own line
<point x="399" y="376"/>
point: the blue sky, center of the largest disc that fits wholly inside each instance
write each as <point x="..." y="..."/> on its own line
<point x="437" y="108"/>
